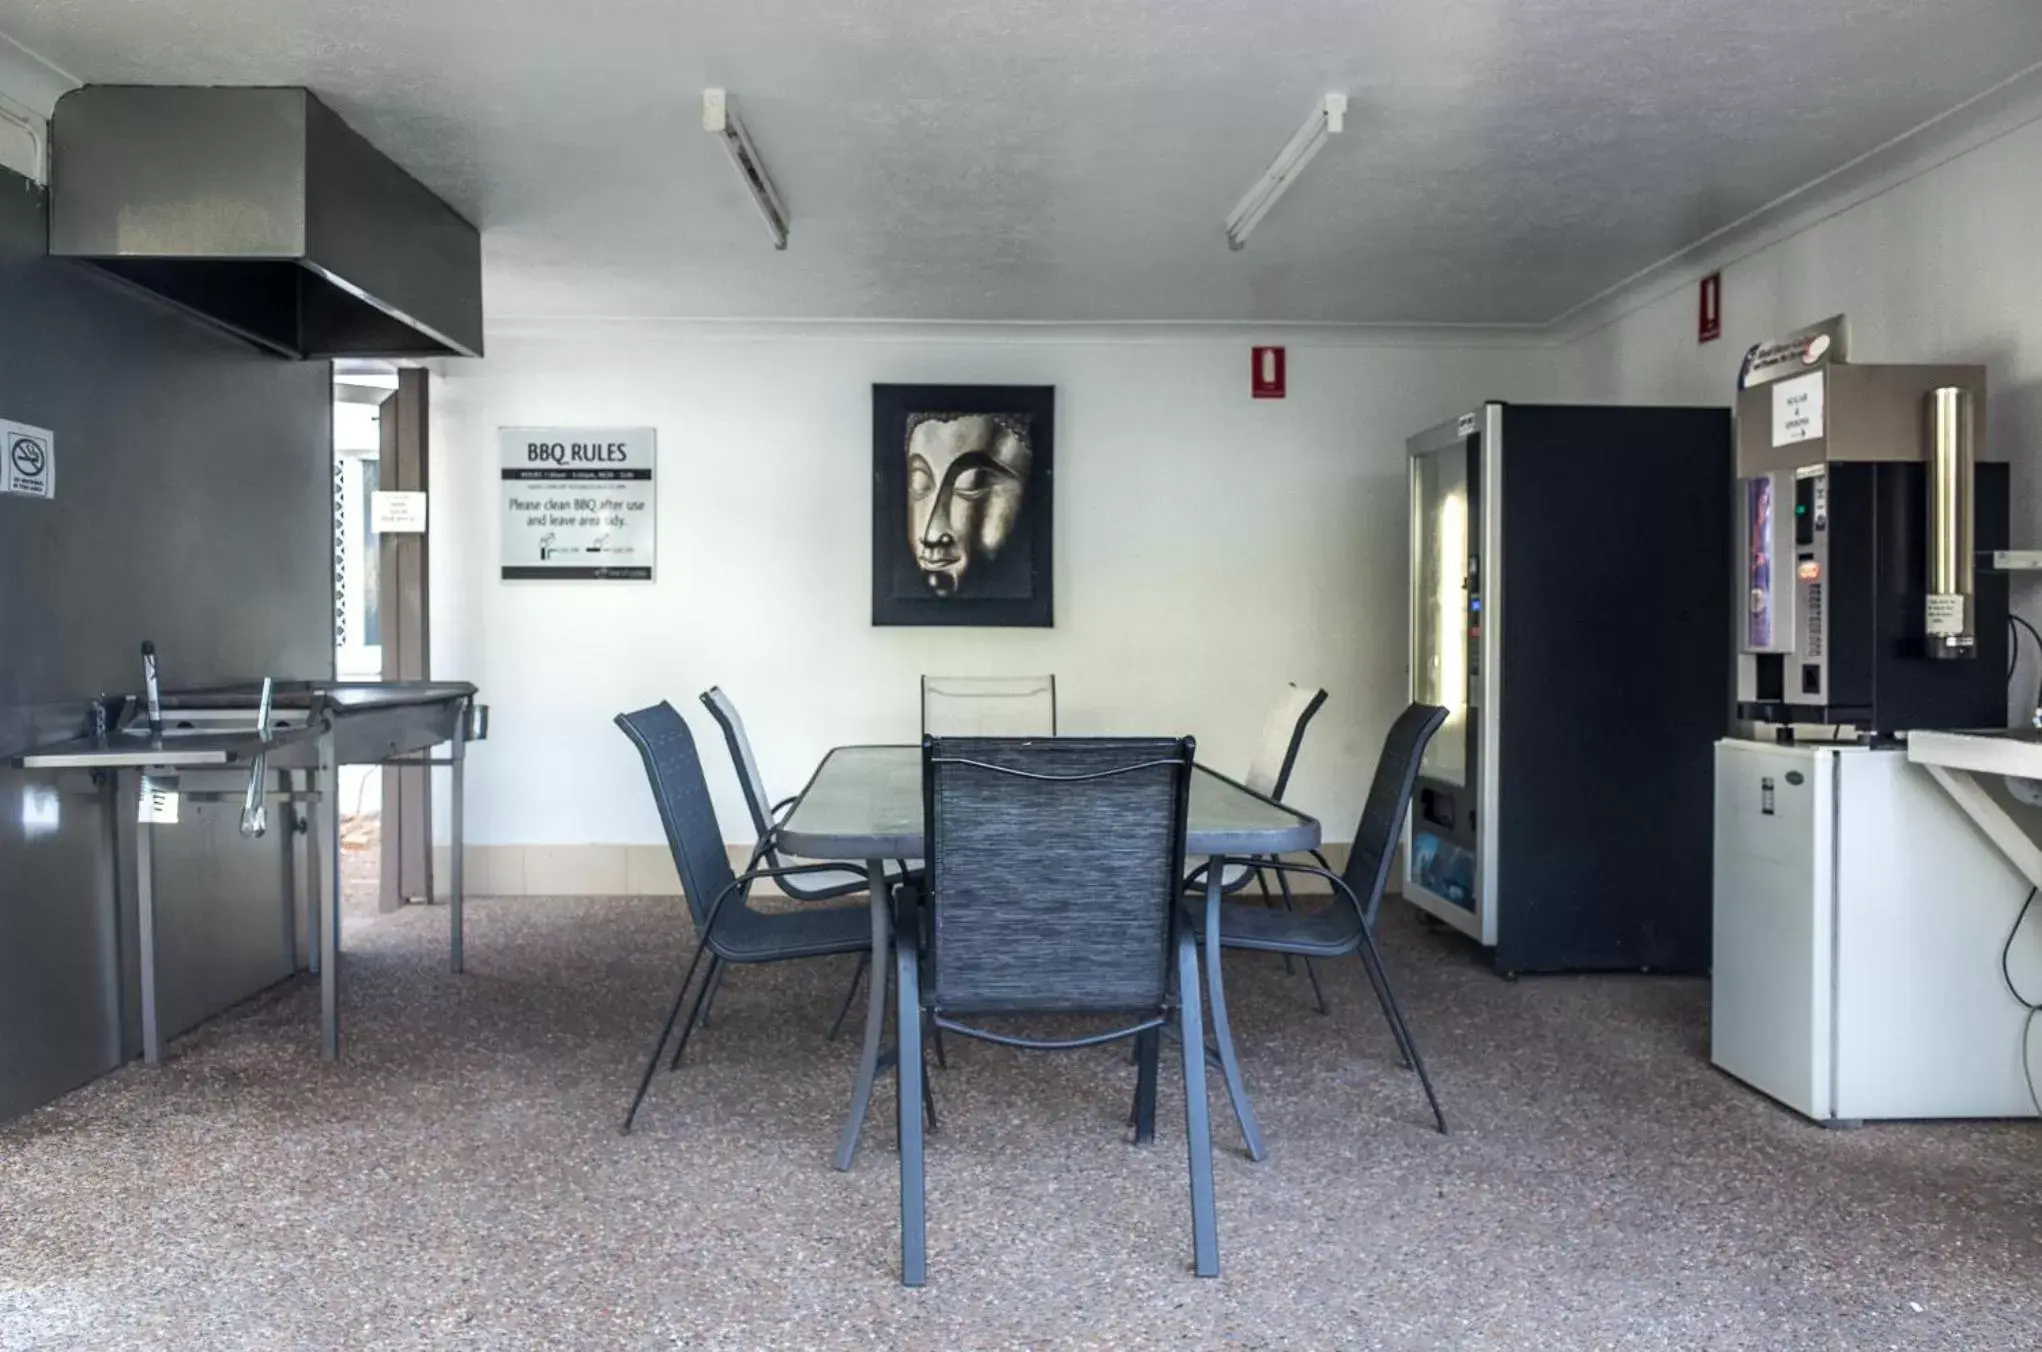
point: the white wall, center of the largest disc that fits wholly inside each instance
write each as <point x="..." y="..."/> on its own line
<point x="1209" y="547"/>
<point x="1946" y="267"/>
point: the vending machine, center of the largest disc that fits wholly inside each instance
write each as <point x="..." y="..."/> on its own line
<point x="1568" y="610"/>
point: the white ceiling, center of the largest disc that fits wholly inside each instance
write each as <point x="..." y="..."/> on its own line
<point x="1072" y="160"/>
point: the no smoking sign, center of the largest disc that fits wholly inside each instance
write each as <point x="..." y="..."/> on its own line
<point x="28" y="461"/>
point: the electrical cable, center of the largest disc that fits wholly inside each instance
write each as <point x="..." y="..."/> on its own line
<point x="2034" y="1007"/>
<point x="2014" y="653"/>
<point x="2014" y="643"/>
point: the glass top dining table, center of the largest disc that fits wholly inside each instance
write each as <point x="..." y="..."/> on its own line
<point x="865" y="802"/>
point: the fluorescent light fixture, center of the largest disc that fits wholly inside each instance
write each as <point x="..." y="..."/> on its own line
<point x="1326" y="120"/>
<point x="720" y="117"/>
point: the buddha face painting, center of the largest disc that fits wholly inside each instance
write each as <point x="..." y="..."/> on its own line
<point x="967" y="489"/>
<point x="964" y="505"/>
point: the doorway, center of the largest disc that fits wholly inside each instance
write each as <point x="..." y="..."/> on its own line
<point x="360" y="390"/>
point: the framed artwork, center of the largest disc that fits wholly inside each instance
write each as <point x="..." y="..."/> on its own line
<point x="963" y="504"/>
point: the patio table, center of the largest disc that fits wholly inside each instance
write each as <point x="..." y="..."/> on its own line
<point x="865" y="802"/>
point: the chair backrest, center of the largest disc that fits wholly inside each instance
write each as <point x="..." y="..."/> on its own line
<point x="1283" y="732"/>
<point x="1389" y="798"/>
<point x="989" y="706"/>
<point x="756" y="800"/>
<point x="1053" y="871"/>
<point x="682" y="794"/>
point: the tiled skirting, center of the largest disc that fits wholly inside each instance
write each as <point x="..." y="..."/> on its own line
<point x="620" y="870"/>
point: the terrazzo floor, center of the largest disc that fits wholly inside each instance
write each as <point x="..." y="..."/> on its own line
<point x="459" y="1181"/>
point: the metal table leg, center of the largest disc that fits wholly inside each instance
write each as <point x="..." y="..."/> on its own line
<point x="1205" y="1235"/>
<point x="875" y="1013"/>
<point x="1230" y="1065"/>
<point x="145" y="916"/>
<point x="914" y="1240"/>
<point x="327" y="811"/>
<point x="456" y="962"/>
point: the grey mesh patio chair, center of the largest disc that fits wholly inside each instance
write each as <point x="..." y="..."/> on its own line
<point x="1345" y="927"/>
<point x="989" y="706"/>
<point x="1276" y="754"/>
<point x="849" y="878"/>
<point x="1051" y="889"/>
<point x="727" y="928"/>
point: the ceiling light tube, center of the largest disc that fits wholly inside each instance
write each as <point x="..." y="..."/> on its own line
<point x="719" y="117"/>
<point x="1326" y="120"/>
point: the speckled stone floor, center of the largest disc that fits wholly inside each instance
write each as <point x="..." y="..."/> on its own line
<point x="459" y="1180"/>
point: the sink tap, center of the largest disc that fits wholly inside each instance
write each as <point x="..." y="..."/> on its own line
<point x="254" y="809"/>
<point x="150" y="691"/>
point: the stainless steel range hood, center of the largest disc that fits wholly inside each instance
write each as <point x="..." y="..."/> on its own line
<point x="261" y="211"/>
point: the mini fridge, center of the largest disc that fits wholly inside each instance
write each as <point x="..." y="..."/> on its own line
<point x="1860" y="918"/>
<point x="1570" y="608"/>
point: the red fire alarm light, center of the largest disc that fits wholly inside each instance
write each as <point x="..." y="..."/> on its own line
<point x="1268" y="373"/>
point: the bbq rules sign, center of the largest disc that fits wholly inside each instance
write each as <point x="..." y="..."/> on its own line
<point x="577" y="503"/>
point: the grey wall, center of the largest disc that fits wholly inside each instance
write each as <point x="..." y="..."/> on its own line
<point x="194" y="483"/>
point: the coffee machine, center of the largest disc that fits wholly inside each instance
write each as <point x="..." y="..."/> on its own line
<point x="1863" y="504"/>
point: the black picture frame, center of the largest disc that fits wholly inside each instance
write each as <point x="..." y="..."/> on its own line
<point x="1014" y="588"/>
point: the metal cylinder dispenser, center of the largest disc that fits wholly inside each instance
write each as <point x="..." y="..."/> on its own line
<point x="1950" y="618"/>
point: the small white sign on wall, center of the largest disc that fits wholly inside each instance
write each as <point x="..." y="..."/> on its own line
<point x="28" y="460"/>
<point x="394" y="512"/>
<point x="578" y="503"/>
<point x="1798" y="408"/>
<point x="157" y="803"/>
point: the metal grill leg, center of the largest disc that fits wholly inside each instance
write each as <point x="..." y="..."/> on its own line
<point x="457" y="859"/>
<point x="328" y="808"/>
<point x="145" y="920"/>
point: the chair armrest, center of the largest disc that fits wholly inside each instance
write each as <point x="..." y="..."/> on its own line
<point x="773" y="813"/>
<point x="743" y="881"/>
<point x="791" y="869"/>
<point x="1339" y="883"/>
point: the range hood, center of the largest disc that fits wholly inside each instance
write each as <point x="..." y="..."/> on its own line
<point x="262" y="212"/>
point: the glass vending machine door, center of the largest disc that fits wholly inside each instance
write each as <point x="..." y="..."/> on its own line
<point x="1446" y="613"/>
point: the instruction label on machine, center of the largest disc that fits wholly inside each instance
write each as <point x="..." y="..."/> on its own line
<point x="1798" y="409"/>
<point x="1944" y="615"/>
<point x="578" y="503"/>
<point x="28" y="460"/>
